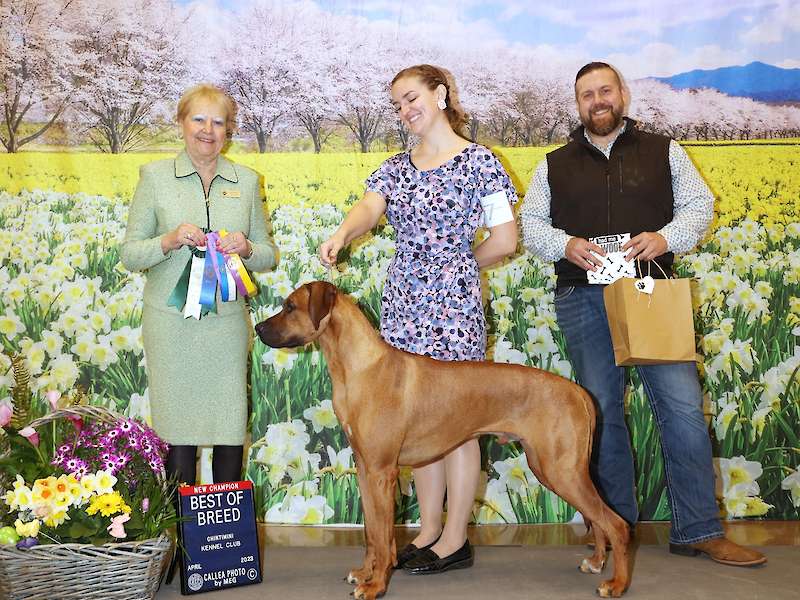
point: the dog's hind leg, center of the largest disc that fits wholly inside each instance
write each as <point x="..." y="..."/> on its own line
<point x="377" y="497"/>
<point x="570" y="480"/>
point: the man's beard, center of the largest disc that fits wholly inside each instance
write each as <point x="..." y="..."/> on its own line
<point x="610" y="121"/>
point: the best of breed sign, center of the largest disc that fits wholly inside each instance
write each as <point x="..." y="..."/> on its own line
<point x="219" y="537"/>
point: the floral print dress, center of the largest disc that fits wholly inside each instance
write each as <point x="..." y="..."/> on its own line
<point x="431" y="301"/>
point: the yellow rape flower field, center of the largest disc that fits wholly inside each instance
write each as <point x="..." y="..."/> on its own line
<point x="758" y="182"/>
<point x="72" y="310"/>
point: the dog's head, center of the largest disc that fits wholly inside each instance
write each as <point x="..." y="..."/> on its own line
<point x="303" y="318"/>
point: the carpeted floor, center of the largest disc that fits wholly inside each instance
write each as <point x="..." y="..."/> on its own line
<point x="520" y="572"/>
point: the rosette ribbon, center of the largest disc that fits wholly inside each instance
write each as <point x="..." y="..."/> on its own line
<point x="195" y="292"/>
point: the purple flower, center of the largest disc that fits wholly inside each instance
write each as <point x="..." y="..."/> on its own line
<point x="125" y="426"/>
<point x="64" y="448"/>
<point x="28" y="542"/>
<point x="80" y="471"/>
<point x="123" y="459"/>
<point x="134" y="442"/>
<point x="73" y="464"/>
<point x="145" y="504"/>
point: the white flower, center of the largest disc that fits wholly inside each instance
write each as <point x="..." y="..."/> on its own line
<point x="340" y="461"/>
<point x="540" y="343"/>
<point x="53" y="342"/>
<point x="139" y="407"/>
<point x="502" y="305"/>
<point x="739" y="476"/>
<point x="105" y="482"/>
<point x="792" y="484"/>
<point x="515" y="474"/>
<point x="10" y="325"/>
<point x="280" y="359"/>
<point x="321" y="416"/>
<point x="504" y="352"/>
<point x="495" y="505"/>
<point x="311" y="511"/>
<point x="63" y="372"/>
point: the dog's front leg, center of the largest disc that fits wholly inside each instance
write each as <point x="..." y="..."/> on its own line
<point x="377" y="498"/>
<point x="364" y="574"/>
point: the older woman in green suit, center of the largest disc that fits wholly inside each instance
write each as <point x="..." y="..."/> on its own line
<point x="197" y="369"/>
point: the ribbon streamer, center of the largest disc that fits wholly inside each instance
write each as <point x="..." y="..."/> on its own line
<point x="195" y="292"/>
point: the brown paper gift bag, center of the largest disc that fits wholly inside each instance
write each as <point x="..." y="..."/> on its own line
<point x="650" y="329"/>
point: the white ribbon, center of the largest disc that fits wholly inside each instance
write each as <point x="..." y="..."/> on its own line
<point x="193" y="307"/>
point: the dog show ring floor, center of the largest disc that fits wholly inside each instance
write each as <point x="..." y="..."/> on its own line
<point x="523" y="562"/>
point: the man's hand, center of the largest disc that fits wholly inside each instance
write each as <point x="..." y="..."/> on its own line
<point x="645" y="246"/>
<point x="579" y="252"/>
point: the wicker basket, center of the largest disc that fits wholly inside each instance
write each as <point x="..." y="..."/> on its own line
<point x="127" y="571"/>
<point x="120" y="570"/>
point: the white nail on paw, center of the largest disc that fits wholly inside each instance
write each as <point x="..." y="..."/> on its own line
<point x="588" y="567"/>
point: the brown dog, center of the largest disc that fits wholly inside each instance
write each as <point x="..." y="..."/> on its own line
<point x="398" y="408"/>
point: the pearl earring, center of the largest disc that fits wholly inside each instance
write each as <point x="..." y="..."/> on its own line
<point x="441" y="104"/>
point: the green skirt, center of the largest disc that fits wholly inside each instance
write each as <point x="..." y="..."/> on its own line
<point x="196" y="373"/>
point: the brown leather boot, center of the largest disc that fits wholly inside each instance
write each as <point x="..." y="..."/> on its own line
<point x="723" y="551"/>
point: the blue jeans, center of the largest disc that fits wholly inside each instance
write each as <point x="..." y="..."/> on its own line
<point x="676" y="400"/>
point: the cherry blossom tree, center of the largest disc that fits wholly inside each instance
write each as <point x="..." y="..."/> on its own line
<point x="362" y="87"/>
<point x="132" y="57"/>
<point x="259" y="68"/>
<point x="318" y="77"/>
<point x="37" y="66"/>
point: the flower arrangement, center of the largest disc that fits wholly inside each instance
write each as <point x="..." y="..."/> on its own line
<point x="78" y="473"/>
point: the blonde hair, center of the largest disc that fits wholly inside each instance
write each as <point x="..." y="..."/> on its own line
<point x="433" y="77"/>
<point x="207" y="91"/>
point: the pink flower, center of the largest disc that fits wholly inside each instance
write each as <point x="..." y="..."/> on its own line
<point x="53" y="397"/>
<point x="116" y="529"/>
<point x="5" y="414"/>
<point x="145" y="504"/>
<point x="77" y="422"/>
<point x="30" y="434"/>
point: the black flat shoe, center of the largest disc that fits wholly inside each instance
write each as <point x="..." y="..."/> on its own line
<point x="409" y="552"/>
<point x="427" y="562"/>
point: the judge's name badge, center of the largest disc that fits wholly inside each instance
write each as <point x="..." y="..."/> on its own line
<point x="231" y="194"/>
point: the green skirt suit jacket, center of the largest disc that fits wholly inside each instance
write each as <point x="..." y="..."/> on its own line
<point x="196" y="370"/>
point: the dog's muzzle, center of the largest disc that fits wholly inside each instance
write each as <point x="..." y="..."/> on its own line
<point x="269" y="333"/>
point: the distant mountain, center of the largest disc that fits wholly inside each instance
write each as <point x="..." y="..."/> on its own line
<point x="757" y="80"/>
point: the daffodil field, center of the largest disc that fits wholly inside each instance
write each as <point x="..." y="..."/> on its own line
<point x="70" y="308"/>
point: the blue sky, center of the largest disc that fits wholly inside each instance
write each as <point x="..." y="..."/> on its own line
<point x="642" y="38"/>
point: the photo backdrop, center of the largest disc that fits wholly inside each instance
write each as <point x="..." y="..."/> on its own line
<point x="89" y="88"/>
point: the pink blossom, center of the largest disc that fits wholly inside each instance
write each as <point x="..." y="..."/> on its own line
<point x="5" y="414"/>
<point x="30" y="434"/>
<point x="77" y="422"/>
<point x="53" y="396"/>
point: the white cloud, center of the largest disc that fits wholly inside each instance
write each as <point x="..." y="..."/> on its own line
<point x="776" y="25"/>
<point x="663" y="60"/>
<point x="789" y="63"/>
<point x="620" y="22"/>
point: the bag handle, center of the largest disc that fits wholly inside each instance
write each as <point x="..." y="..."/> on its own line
<point x="650" y="262"/>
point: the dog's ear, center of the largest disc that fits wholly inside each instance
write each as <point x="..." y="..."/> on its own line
<point x="322" y="296"/>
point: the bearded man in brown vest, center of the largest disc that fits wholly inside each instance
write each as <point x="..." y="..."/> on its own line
<point x="610" y="179"/>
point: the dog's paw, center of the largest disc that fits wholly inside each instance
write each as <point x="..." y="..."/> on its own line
<point x="587" y="566"/>
<point x="369" y="591"/>
<point x="610" y="589"/>
<point x="357" y="576"/>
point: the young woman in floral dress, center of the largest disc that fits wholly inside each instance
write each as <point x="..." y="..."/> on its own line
<point x="436" y="196"/>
